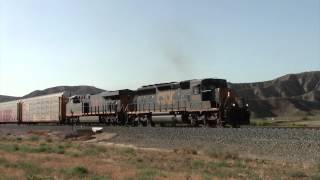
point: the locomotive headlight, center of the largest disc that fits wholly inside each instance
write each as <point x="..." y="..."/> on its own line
<point x="234" y="105"/>
<point x="247" y="105"/>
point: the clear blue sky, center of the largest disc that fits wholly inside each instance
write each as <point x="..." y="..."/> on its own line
<point x="115" y="44"/>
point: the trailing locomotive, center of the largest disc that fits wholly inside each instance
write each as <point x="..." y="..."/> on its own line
<point x="206" y="102"/>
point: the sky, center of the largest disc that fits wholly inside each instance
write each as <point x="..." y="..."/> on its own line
<point x="117" y="44"/>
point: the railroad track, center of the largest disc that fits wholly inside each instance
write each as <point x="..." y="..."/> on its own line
<point x="281" y="127"/>
<point x="178" y="126"/>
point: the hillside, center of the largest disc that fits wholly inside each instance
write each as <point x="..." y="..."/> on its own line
<point x="70" y="90"/>
<point x="289" y="95"/>
<point x="7" y="98"/>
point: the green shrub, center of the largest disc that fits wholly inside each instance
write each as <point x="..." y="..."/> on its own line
<point x="298" y="174"/>
<point x="222" y="154"/>
<point x="316" y="176"/>
<point x="73" y="154"/>
<point x="128" y="151"/>
<point x="217" y="165"/>
<point x="29" y="168"/>
<point x="149" y="174"/>
<point x="34" y="138"/>
<point x="197" y="164"/>
<point x="9" y="147"/>
<point x="3" y="161"/>
<point x="96" y="177"/>
<point x="79" y="171"/>
<point x="94" y="150"/>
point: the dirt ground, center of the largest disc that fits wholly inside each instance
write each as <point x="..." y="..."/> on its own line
<point x="48" y="155"/>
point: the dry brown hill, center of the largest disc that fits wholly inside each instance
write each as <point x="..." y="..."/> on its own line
<point x="289" y="95"/>
<point x="7" y="98"/>
<point x="70" y="90"/>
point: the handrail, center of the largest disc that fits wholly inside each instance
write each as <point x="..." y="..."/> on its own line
<point x="137" y="107"/>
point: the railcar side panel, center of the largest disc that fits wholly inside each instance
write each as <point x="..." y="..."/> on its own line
<point x="9" y="112"/>
<point x="43" y="108"/>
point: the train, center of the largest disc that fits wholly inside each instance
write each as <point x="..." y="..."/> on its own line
<point x="197" y="102"/>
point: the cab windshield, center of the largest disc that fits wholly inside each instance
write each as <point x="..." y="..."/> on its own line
<point x="209" y="87"/>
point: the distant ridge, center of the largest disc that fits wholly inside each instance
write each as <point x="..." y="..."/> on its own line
<point x="7" y="98"/>
<point x="289" y="95"/>
<point x="70" y="90"/>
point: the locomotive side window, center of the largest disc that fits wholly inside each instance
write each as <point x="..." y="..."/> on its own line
<point x="207" y="95"/>
<point x="185" y="85"/>
<point x="75" y="100"/>
<point x="196" y="90"/>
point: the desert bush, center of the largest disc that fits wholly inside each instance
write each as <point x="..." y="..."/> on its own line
<point x="77" y="171"/>
<point x="197" y="164"/>
<point x="149" y="173"/>
<point x="96" y="177"/>
<point x="316" y="176"/>
<point x="80" y="170"/>
<point x="34" y="138"/>
<point x="9" y="147"/>
<point x="297" y="174"/>
<point x="127" y="151"/>
<point x="3" y="161"/>
<point x="214" y="153"/>
<point x="94" y="150"/>
<point x="49" y="140"/>
<point x="29" y="168"/>
<point x="216" y="165"/>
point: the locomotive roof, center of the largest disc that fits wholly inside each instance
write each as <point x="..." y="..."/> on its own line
<point x="175" y="84"/>
<point x="115" y="93"/>
<point x="159" y="84"/>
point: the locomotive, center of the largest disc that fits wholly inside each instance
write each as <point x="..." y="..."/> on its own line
<point x="206" y="102"/>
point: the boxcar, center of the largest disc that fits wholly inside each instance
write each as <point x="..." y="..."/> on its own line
<point x="9" y="112"/>
<point x="48" y="108"/>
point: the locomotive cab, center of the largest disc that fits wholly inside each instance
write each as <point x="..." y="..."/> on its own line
<point x="210" y="91"/>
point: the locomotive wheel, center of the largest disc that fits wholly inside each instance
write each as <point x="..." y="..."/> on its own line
<point x="150" y="122"/>
<point x="174" y="124"/>
<point x="194" y="121"/>
<point x="220" y="124"/>
<point x="235" y="125"/>
<point x="212" y="124"/>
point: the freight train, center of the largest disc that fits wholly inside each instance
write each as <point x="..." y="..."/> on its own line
<point x="197" y="102"/>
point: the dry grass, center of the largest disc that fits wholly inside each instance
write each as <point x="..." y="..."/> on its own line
<point x="36" y="157"/>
